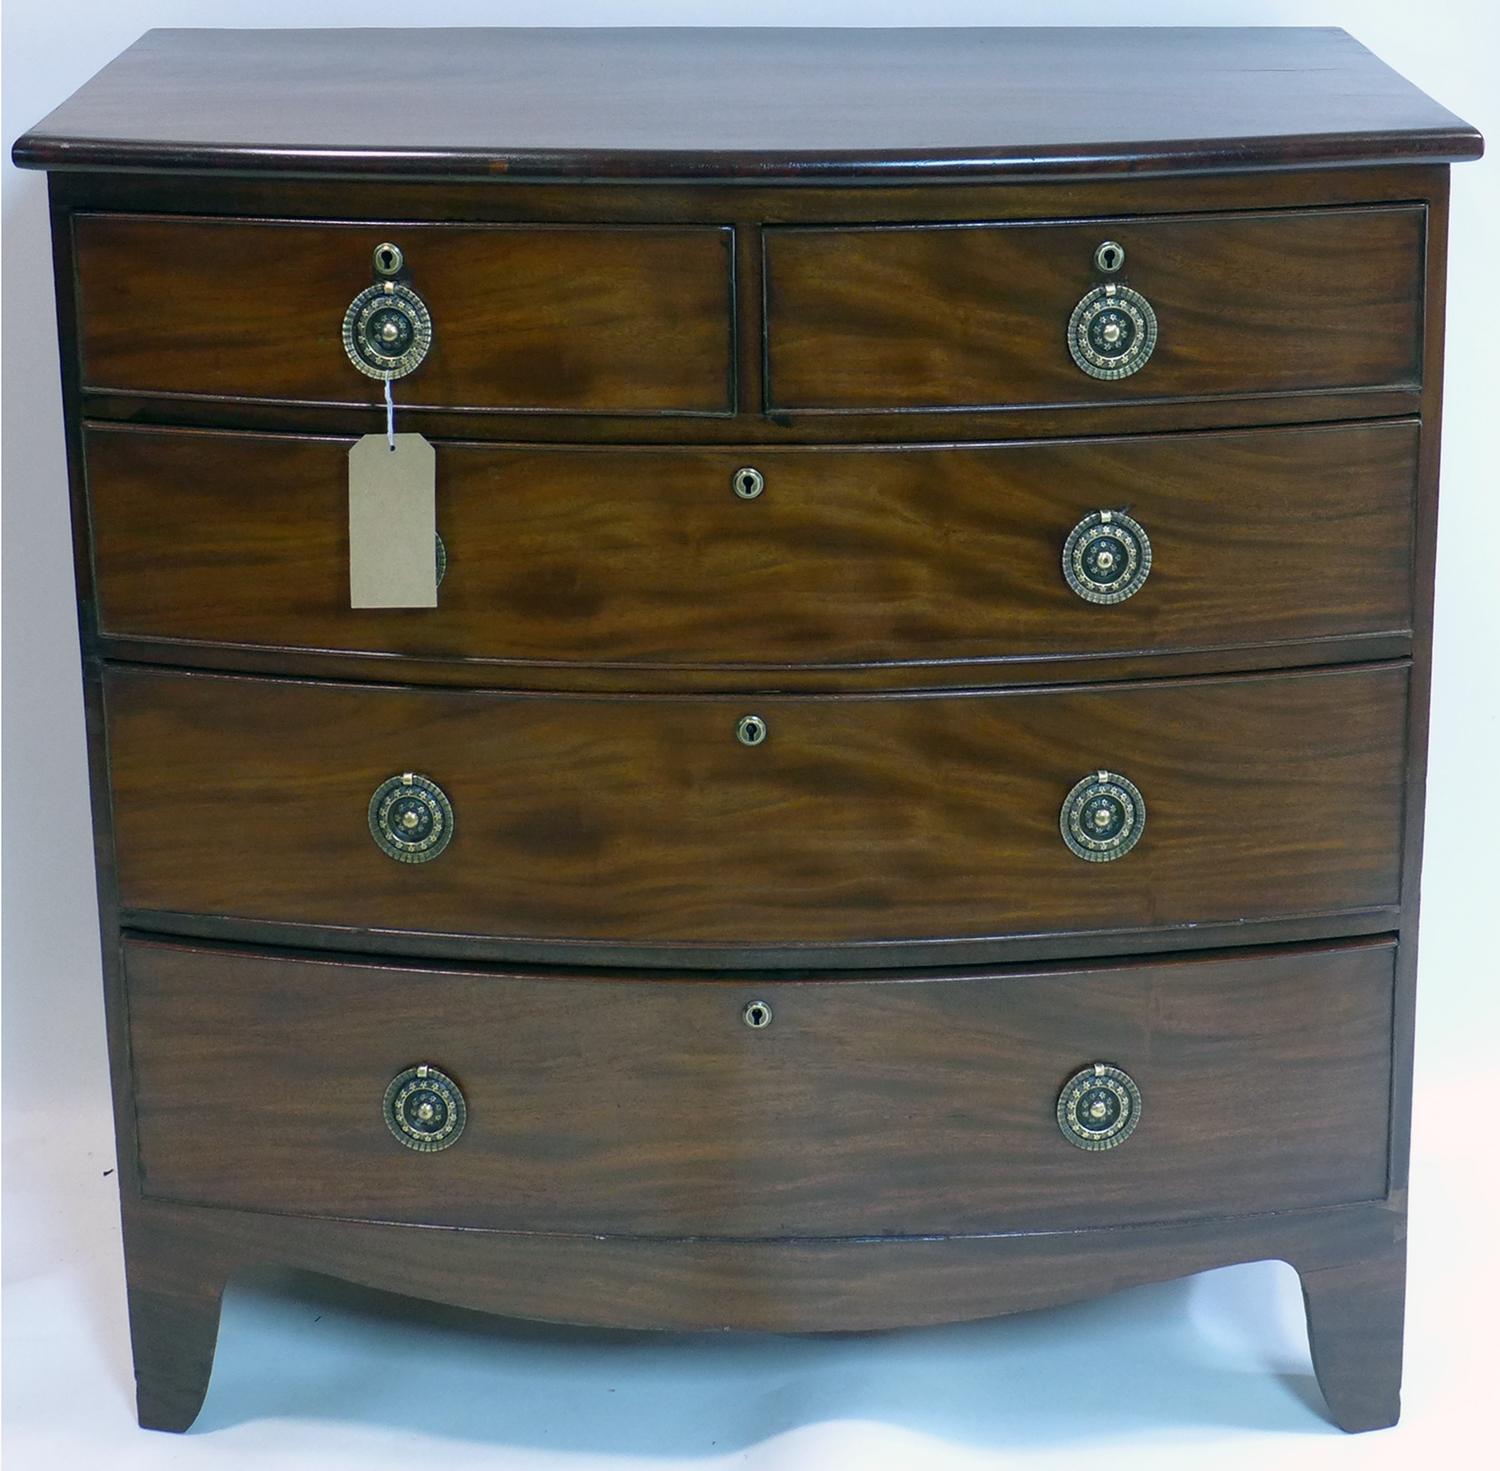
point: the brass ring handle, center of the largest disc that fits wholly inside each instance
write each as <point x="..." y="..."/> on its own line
<point x="411" y="818"/>
<point x="1103" y="817"/>
<point x="387" y="327"/>
<point x="1107" y="557"/>
<point x="1099" y="1107"/>
<point x="1112" y="332"/>
<point x="425" y="1109"/>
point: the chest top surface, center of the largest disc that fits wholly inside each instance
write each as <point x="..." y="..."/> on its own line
<point x="758" y="105"/>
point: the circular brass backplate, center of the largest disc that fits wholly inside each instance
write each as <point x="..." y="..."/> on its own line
<point x="387" y="331"/>
<point x="1107" y="557"/>
<point x="425" y="1109"/>
<point x="1112" y="332"/>
<point x="411" y="818"/>
<point x="1099" y="1107"/>
<point x="1103" y="817"/>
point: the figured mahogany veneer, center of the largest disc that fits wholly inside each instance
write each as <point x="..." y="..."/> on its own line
<point x="626" y="320"/>
<point x="879" y="1106"/>
<point x="861" y="286"/>
<point x="914" y="317"/>
<point x="861" y="820"/>
<point x="644" y="560"/>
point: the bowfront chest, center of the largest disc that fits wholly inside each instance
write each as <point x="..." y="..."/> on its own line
<point x="755" y="710"/>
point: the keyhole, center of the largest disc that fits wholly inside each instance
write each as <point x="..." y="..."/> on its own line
<point x="388" y="259"/>
<point x="757" y="1015"/>
<point x="1110" y="256"/>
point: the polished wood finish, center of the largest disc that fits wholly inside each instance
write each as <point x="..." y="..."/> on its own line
<point x="786" y="1286"/>
<point x="644" y="560"/>
<point x="972" y="316"/>
<point x="676" y="219"/>
<point x="858" y="820"/>
<point x="867" y="1107"/>
<point x="625" y="320"/>
<point x="753" y="104"/>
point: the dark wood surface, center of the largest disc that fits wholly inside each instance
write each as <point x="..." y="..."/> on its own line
<point x="648" y="1107"/>
<point x="180" y="1257"/>
<point x="859" y="819"/>
<point x="970" y="316"/>
<point x="738" y="103"/>
<point x="644" y="561"/>
<point x="628" y="320"/>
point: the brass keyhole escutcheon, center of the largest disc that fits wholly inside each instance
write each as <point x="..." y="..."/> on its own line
<point x="751" y="730"/>
<point x="1099" y="1107"/>
<point x="388" y="259"/>
<point x="1110" y="256"/>
<point x="757" y="1015"/>
<point x="748" y="483"/>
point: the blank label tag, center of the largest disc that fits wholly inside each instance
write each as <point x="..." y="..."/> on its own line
<point x="392" y="523"/>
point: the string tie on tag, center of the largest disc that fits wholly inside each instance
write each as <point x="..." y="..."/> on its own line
<point x="390" y="418"/>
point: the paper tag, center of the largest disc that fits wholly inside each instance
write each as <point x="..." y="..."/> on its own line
<point x="392" y="523"/>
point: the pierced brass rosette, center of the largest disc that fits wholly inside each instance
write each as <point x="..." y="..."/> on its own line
<point x="411" y="818"/>
<point x="1112" y="332"/>
<point x="1103" y="817"/>
<point x="1099" y="1107"/>
<point x="425" y="1109"/>
<point x="387" y="330"/>
<point x="1107" y="557"/>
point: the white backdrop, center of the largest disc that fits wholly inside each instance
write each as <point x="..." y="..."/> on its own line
<point x="54" y="1090"/>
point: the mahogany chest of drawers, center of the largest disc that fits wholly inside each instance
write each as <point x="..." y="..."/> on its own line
<point x="904" y="802"/>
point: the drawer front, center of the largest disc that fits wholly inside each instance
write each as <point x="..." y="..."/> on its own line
<point x="909" y="1106"/>
<point x="977" y="316"/>
<point x="620" y="320"/>
<point x="646" y="820"/>
<point x="648" y="557"/>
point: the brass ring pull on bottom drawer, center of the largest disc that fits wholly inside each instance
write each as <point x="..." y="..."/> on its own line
<point x="425" y="1109"/>
<point x="1099" y="1107"/>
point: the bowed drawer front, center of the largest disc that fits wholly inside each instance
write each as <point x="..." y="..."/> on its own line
<point x="622" y="320"/>
<point x="971" y="316"/>
<point x="827" y="821"/>
<point x="906" y="803"/>
<point x="906" y="1107"/>
<point x="758" y="558"/>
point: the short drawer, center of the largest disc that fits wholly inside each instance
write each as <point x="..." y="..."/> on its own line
<point x="906" y="1105"/>
<point x="648" y="820"/>
<point x="618" y="320"/>
<point x="649" y="557"/>
<point x="977" y="316"/>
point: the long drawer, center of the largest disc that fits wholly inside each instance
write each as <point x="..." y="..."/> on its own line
<point x="940" y="317"/>
<point x="647" y="557"/>
<point x="907" y="1105"/>
<point x="648" y="820"/>
<point x="576" y="319"/>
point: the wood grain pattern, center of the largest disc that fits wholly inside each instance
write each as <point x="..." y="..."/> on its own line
<point x="181" y="1256"/>
<point x="647" y="1107"/>
<point x="970" y="316"/>
<point x="754" y="104"/>
<point x="627" y="320"/>
<point x="644" y="558"/>
<point x="858" y="819"/>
